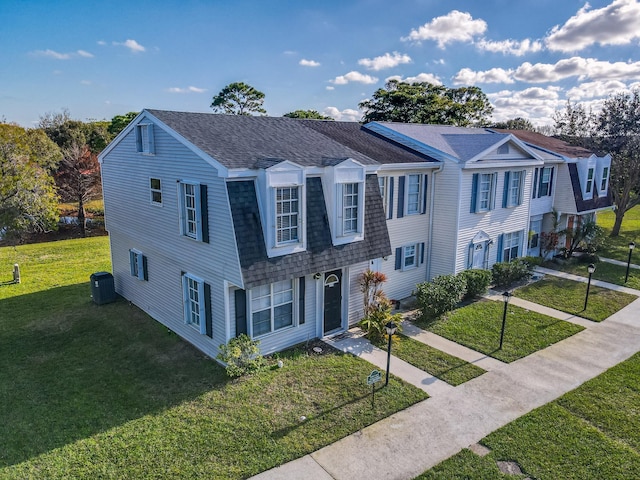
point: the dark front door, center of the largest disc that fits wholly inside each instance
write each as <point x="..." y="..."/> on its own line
<point x="332" y="301"/>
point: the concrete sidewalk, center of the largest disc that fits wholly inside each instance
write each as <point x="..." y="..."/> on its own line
<point x="409" y="442"/>
<point x="618" y="262"/>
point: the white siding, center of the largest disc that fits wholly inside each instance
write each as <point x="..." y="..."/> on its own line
<point x="447" y="207"/>
<point x="494" y="222"/>
<point x="133" y="222"/>
<point x="356" y="299"/>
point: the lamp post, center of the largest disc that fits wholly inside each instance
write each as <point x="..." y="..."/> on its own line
<point x="591" y="268"/>
<point x="391" y="329"/>
<point x="506" y="296"/>
<point x="631" y="247"/>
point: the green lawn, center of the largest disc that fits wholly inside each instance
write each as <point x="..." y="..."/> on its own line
<point x="105" y="392"/>
<point x="446" y="367"/>
<point x="568" y="296"/>
<point x="478" y="327"/>
<point x="607" y="272"/>
<point x="618" y="247"/>
<point x="590" y="433"/>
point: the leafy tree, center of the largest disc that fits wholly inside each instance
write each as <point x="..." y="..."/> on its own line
<point x="576" y="125"/>
<point x="78" y="178"/>
<point x="28" y="201"/>
<point x="518" y="123"/>
<point x="422" y="102"/>
<point x="312" y="114"/>
<point x="238" y="98"/>
<point x="120" y="122"/>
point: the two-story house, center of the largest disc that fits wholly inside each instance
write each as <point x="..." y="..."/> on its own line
<point x="221" y="225"/>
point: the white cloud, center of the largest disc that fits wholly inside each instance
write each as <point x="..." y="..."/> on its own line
<point x="347" y="115"/>
<point x="466" y="76"/>
<point x="186" y="90"/>
<point x="330" y="87"/>
<point x="583" y="68"/>
<point x="597" y="89"/>
<point x="510" y="47"/>
<point x="535" y="104"/>
<point x="61" y="56"/>
<point x="132" y="45"/>
<point x="309" y="63"/>
<point x="456" y="26"/>
<point x="422" y="77"/>
<point x="101" y="42"/>
<point x="388" y="60"/>
<point x="615" y="24"/>
<point x="354" y="76"/>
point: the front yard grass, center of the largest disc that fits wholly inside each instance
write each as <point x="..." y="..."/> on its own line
<point x="448" y="368"/>
<point x="618" y="247"/>
<point x="106" y="392"/>
<point x="568" y="296"/>
<point x="606" y="272"/>
<point x="589" y="433"/>
<point x="478" y="326"/>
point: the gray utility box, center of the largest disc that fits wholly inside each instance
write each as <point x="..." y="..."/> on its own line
<point x="103" y="289"/>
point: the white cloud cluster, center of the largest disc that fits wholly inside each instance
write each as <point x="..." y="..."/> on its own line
<point x="421" y="77"/>
<point x="354" y="76"/>
<point x="536" y="104"/>
<point x="456" y="26"/>
<point x="347" y="115"/>
<point x="388" y="60"/>
<point x="510" y="47"/>
<point x="132" y="45"/>
<point x="189" y="89"/>
<point x="615" y="24"/>
<point x="308" y="63"/>
<point x="62" y="56"/>
<point x="466" y="76"/>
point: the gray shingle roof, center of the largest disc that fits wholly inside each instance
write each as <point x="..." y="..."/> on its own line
<point x="321" y="255"/>
<point x="239" y="141"/>
<point x="358" y="138"/>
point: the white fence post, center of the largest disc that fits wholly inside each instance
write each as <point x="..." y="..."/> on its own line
<point x="16" y="273"/>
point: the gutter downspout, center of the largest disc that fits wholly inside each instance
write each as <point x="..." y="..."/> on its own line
<point x="431" y="208"/>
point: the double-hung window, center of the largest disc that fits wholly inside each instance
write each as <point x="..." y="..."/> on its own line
<point x="193" y="211"/>
<point x="409" y="256"/>
<point x="511" y="246"/>
<point x="383" y="184"/>
<point x="483" y="192"/>
<point x="194" y="302"/>
<point x="287" y="214"/>
<point x="272" y="307"/>
<point x="513" y="187"/>
<point x="545" y="182"/>
<point x="144" y="138"/>
<point x="350" y="208"/>
<point x="156" y="191"/>
<point x="589" y="185"/>
<point x="414" y="194"/>
<point x="138" y="264"/>
<point x="605" y="179"/>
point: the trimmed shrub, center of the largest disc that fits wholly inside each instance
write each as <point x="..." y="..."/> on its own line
<point x="241" y="356"/>
<point x="506" y="273"/>
<point x="440" y="295"/>
<point x="379" y="315"/>
<point x="477" y="282"/>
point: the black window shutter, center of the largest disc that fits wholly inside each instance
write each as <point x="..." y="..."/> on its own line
<point x="398" y="258"/>
<point x="422" y="253"/>
<point x="535" y="183"/>
<point x="390" y="207"/>
<point x="241" y="311"/>
<point x="474" y="192"/>
<point x="204" y="210"/>
<point x="550" y="181"/>
<point x="301" y="300"/>
<point x="540" y="182"/>
<point x="207" y="310"/>
<point x="505" y="193"/>
<point x="145" y="272"/>
<point x="424" y="195"/>
<point x="401" y="197"/>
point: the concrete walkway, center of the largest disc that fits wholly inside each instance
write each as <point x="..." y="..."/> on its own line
<point x="409" y="442"/>
<point x="618" y="262"/>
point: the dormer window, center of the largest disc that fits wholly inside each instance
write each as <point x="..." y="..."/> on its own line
<point x="350" y="208"/>
<point x="605" y="179"/>
<point x="287" y="215"/>
<point x="589" y="185"/>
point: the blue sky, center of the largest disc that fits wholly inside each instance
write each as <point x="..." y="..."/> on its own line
<point x="104" y="58"/>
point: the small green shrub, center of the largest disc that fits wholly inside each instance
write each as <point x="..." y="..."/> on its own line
<point x="534" y="261"/>
<point x="477" y="282"/>
<point x="379" y="315"/>
<point x="241" y="356"/>
<point x="440" y="295"/>
<point x="506" y="273"/>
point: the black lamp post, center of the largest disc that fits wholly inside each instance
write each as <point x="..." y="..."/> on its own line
<point x="631" y="247"/>
<point x="391" y="329"/>
<point x="591" y="268"/>
<point x="506" y="297"/>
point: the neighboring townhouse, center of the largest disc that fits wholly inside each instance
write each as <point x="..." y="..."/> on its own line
<point x="221" y="225"/>
<point x="569" y="189"/>
<point x="482" y="193"/>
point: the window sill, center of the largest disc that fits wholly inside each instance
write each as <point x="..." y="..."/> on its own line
<point x="275" y="332"/>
